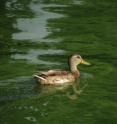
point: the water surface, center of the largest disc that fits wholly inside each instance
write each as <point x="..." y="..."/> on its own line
<point x="40" y="35"/>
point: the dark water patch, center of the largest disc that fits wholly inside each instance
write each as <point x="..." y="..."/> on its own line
<point x="15" y="69"/>
<point x="16" y="88"/>
<point x="107" y="58"/>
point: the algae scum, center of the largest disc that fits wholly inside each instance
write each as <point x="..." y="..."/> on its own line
<point x="40" y="35"/>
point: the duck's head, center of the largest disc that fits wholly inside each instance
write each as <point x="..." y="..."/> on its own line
<point x="76" y="59"/>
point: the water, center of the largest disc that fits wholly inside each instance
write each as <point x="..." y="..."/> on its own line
<point x="40" y="35"/>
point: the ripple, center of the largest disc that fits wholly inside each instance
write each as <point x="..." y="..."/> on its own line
<point x="16" y="79"/>
<point x="31" y="118"/>
<point x="33" y="56"/>
<point x="77" y="2"/>
<point x="86" y="75"/>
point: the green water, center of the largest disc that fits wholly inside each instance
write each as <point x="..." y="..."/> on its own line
<point x="41" y="35"/>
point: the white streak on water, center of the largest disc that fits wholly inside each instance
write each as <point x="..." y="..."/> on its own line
<point x="33" y="56"/>
<point x="35" y="28"/>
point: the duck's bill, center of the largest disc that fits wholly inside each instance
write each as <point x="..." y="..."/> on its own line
<point x="85" y="63"/>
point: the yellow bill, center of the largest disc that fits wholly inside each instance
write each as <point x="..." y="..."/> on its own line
<point x="85" y="63"/>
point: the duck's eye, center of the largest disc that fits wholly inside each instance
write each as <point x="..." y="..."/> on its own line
<point x="78" y="57"/>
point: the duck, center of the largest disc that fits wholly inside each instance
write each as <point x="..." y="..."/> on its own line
<point x="54" y="77"/>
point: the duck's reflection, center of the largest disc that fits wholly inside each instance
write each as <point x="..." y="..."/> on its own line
<point x="77" y="88"/>
<point x="71" y="90"/>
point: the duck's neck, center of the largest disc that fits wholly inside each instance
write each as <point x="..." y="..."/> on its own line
<point x="74" y="69"/>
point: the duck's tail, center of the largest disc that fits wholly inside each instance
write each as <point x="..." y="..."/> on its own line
<point x="41" y="78"/>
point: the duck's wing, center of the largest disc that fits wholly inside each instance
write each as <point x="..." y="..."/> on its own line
<point x="52" y="73"/>
<point x="43" y="72"/>
<point x="56" y="72"/>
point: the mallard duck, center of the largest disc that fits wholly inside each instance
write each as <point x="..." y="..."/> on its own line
<point x="60" y="77"/>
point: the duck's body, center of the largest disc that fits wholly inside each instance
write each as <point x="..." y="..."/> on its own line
<point x="55" y="77"/>
<point x="60" y="77"/>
